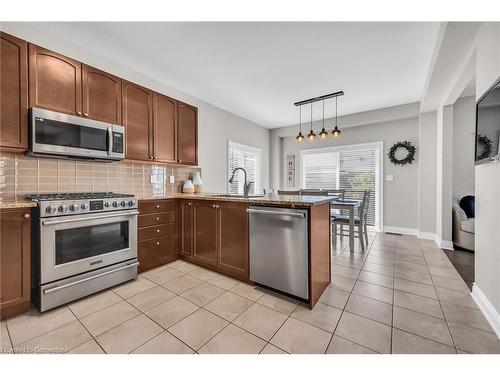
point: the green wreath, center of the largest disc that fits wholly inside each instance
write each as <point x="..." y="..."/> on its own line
<point x="487" y="145"/>
<point x="410" y="157"/>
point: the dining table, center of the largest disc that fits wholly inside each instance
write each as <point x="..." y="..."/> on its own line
<point x="351" y="205"/>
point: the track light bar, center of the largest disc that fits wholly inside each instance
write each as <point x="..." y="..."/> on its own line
<point x="319" y="98"/>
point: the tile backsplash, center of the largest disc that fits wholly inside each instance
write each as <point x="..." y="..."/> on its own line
<point x="21" y="175"/>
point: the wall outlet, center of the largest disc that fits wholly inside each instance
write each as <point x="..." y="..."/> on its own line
<point x="389" y="177"/>
<point x="172" y="179"/>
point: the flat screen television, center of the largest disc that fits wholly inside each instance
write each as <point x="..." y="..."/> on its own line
<point x="488" y="125"/>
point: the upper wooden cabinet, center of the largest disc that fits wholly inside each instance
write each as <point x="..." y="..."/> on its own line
<point x="164" y="125"/>
<point x="187" y="130"/>
<point x="13" y="93"/>
<point x="55" y="81"/>
<point x="102" y="95"/>
<point x="15" y="252"/>
<point x="137" y="117"/>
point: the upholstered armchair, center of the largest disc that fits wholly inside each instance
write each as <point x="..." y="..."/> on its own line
<point x="463" y="228"/>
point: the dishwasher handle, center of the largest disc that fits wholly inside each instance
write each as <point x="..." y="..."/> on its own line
<point x="269" y="212"/>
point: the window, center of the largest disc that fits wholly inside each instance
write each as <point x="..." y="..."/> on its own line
<point x="354" y="168"/>
<point x="246" y="157"/>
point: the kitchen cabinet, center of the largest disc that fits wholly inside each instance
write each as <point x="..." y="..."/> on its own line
<point x="233" y="242"/>
<point x="206" y="223"/>
<point x="157" y="233"/>
<point x="215" y="235"/>
<point x="55" y="81"/>
<point x="102" y="95"/>
<point x="13" y="93"/>
<point x="187" y="138"/>
<point x="164" y="125"/>
<point x="186" y="228"/>
<point x="15" y="252"/>
<point x="137" y="117"/>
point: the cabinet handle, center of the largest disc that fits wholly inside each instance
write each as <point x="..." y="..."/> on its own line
<point x="27" y="216"/>
<point x="189" y="204"/>
<point x="217" y="206"/>
<point x="157" y="206"/>
<point x="214" y="205"/>
<point x="86" y="114"/>
<point x="157" y="231"/>
<point x="158" y="244"/>
<point x="157" y="219"/>
<point x="179" y="161"/>
<point x="79" y="113"/>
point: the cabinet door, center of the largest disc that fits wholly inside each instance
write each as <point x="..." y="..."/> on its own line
<point x="137" y="117"/>
<point x="233" y="242"/>
<point x="55" y="81"/>
<point x="164" y="122"/>
<point x="186" y="228"/>
<point x="13" y="93"/>
<point x="205" y="232"/>
<point x="15" y="228"/>
<point x="187" y="130"/>
<point x="156" y="252"/>
<point x="102" y="95"/>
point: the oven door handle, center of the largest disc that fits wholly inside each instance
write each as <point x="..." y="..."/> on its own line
<point x="134" y="213"/>
<point x="56" y="288"/>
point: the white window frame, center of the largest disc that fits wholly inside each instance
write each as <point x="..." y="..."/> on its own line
<point x="379" y="173"/>
<point x="258" y="172"/>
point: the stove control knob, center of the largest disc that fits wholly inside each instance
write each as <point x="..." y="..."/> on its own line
<point x="107" y="204"/>
<point x="130" y="203"/>
<point x="51" y="209"/>
<point x="84" y="206"/>
<point x="123" y="203"/>
<point x="74" y="207"/>
<point x="115" y="204"/>
<point x="63" y="208"/>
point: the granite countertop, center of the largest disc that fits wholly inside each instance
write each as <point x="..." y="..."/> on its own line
<point x="292" y="200"/>
<point x="17" y="204"/>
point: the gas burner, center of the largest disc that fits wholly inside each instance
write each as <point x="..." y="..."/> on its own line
<point x="75" y="196"/>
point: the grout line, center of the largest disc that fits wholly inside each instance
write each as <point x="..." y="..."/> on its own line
<point x="84" y="327"/>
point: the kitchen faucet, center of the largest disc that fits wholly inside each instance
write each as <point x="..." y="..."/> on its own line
<point x="246" y="186"/>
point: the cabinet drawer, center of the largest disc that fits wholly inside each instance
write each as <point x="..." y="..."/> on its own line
<point x="156" y="252"/>
<point x="147" y="207"/>
<point x="156" y="231"/>
<point x="155" y="219"/>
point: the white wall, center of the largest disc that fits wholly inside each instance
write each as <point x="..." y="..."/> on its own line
<point x="464" y="123"/>
<point x="487" y="238"/>
<point x="215" y="126"/>
<point x="400" y="195"/>
<point x="427" y="175"/>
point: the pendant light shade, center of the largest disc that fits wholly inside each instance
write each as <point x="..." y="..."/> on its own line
<point x="311" y="136"/>
<point x="323" y="134"/>
<point x="300" y="137"/>
<point x="336" y="133"/>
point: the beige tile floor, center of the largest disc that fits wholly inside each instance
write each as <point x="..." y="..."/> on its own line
<point x="401" y="296"/>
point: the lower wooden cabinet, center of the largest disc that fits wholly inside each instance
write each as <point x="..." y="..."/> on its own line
<point x="157" y="233"/>
<point x="15" y="255"/>
<point x="215" y="235"/>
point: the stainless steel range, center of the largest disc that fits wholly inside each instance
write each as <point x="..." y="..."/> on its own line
<point x="82" y="243"/>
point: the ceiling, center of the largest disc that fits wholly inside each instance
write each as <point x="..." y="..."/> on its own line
<point x="258" y="70"/>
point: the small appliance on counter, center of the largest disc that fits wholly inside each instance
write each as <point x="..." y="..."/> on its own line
<point x="81" y="243"/>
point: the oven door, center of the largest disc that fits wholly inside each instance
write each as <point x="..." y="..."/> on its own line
<point x="78" y="244"/>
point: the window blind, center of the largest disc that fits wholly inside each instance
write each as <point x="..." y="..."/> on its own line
<point x="247" y="158"/>
<point x="354" y="170"/>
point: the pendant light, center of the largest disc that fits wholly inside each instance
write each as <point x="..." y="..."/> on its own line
<point x="336" y="132"/>
<point x="323" y="133"/>
<point x="311" y="136"/>
<point x="300" y="137"/>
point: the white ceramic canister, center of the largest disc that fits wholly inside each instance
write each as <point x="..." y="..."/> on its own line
<point x="188" y="187"/>
<point x="198" y="185"/>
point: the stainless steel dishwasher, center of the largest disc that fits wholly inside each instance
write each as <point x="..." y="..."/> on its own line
<point x="279" y="249"/>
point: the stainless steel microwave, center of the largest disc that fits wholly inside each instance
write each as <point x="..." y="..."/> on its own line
<point x="61" y="135"/>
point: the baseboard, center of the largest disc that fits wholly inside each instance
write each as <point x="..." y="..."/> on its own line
<point x="446" y="245"/>
<point x="489" y="312"/>
<point x="427" y="236"/>
<point x="400" y="230"/>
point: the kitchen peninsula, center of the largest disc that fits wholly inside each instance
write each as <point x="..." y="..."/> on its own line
<point x="212" y="231"/>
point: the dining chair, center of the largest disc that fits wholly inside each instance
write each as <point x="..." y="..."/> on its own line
<point x="360" y="222"/>
<point x="288" y="192"/>
<point x="338" y="193"/>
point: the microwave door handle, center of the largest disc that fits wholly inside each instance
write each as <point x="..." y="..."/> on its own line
<point x="110" y="141"/>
